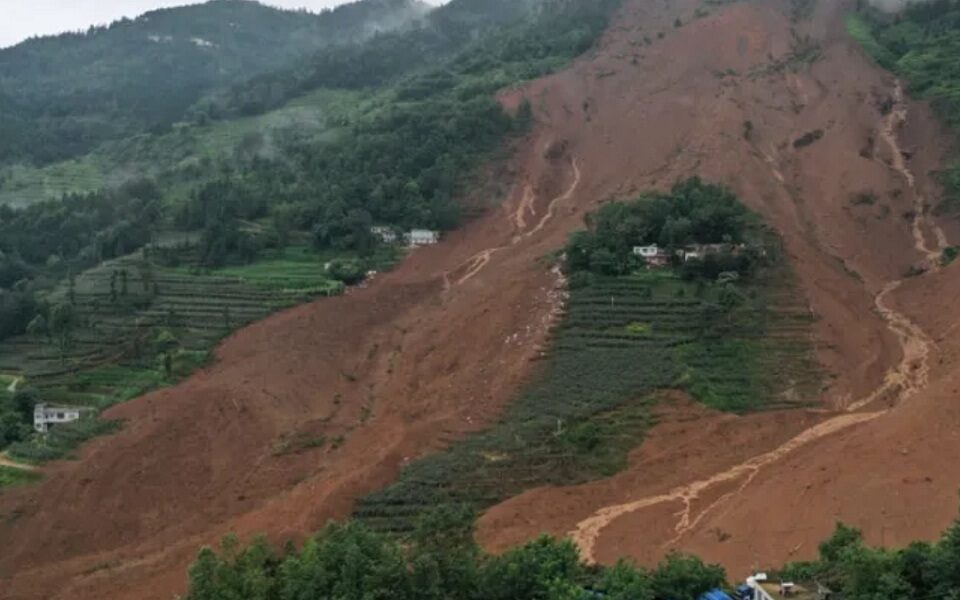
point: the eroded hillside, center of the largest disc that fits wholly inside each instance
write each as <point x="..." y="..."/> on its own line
<point x="438" y="348"/>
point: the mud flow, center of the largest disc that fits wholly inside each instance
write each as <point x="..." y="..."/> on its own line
<point x="438" y="348"/>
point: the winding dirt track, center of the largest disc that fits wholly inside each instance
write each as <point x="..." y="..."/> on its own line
<point x="436" y="349"/>
<point x="527" y="205"/>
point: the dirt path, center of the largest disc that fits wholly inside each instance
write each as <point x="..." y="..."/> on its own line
<point x="6" y="462"/>
<point x="903" y="380"/>
<point x="888" y="131"/>
<point x="551" y="206"/>
<point x="527" y="205"/>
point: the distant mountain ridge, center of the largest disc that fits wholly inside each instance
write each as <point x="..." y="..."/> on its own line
<point x="61" y="96"/>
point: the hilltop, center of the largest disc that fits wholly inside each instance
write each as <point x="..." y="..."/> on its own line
<point x="61" y="96"/>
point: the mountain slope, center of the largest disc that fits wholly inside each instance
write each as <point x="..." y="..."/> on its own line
<point x="61" y="96"/>
<point x="438" y="349"/>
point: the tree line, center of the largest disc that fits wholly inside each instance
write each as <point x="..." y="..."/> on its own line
<point x="441" y="561"/>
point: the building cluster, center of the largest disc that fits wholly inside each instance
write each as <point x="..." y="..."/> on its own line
<point x="414" y="237"/>
<point x="656" y="256"/>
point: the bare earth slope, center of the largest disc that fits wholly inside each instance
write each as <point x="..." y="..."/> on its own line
<point x="437" y="348"/>
<point x="754" y="492"/>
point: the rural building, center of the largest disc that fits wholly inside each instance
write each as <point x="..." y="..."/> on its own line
<point x="700" y="251"/>
<point x="646" y="251"/>
<point x="652" y="255"/>
<point x="422" y="237"/>
<point x="759" y="587"/>
<point x="387" y="235"/>
<point x="44" y="416"/>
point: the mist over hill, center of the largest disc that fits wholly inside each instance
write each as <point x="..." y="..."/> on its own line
<point x="63" y="95"/>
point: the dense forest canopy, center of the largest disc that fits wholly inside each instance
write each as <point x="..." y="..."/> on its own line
<point x="61" y="96"/>
<point x="444" y="32"/>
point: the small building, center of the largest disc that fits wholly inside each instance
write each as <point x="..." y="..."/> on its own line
<point x="45" y="415"/>
<point x="764" y="589"/>
<point x="652" y="255"/>
<point x="387" y="234"/>
<point x="701" y="251"/>
<point x="422" y="237"/>
<point x="646" y="251"/>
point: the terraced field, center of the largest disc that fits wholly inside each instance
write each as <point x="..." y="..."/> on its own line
<point x="130" y="314"/>
<point x="622" y="342"/>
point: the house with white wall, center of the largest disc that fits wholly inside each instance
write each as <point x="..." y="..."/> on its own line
<point x="422" y="237"/>
<point x="45" y="415"/>
<point x="387" y="234"/>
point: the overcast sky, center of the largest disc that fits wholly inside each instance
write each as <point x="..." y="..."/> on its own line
<point x="23" y="18"/>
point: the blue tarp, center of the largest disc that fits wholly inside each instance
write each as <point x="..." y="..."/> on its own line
<point x="716" y="595"/>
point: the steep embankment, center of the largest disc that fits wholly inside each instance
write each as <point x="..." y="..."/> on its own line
<point x="437" y="348"/>
<point x="749" y="493"/>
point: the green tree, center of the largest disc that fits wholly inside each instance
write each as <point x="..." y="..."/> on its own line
<point x="534" y="571"/>
<point x="349" y="271"/>
<point x="626" y="582"/>
<point x="685" y="577"/>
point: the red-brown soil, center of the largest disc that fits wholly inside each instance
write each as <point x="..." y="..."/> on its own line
<point x="756" y="491"/>
<point x="438" y="347"/>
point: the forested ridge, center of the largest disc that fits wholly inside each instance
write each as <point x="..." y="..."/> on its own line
<point x="443" y="32"/>
<point x="63" y="95"/>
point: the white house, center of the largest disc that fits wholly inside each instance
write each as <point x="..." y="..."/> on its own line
<point x="652" y="255"/>
<point x="646" y="251"/>
<point x="44" y="416"/>
<point x="387" y="235"/>
<point x="422" y="237"/>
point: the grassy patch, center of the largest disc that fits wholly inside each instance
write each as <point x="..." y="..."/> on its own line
<point x="10" y="477"/>
<point x="61" y="441"/>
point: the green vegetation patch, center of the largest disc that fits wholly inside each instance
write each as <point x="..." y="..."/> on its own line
<point x="440" y="562"/>
<point x="61" y="440"/>
<point x="10" y="477"/>
<point x="861" y="30"/>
